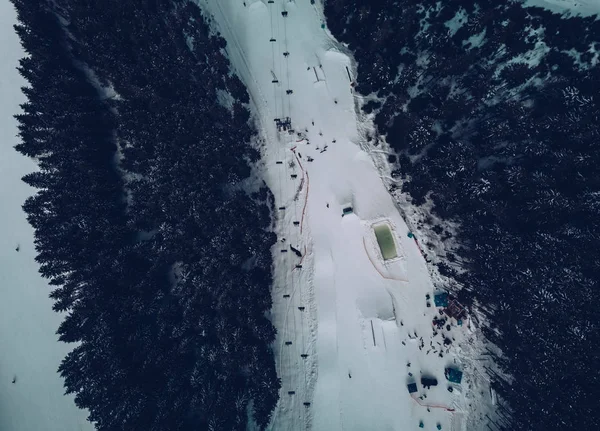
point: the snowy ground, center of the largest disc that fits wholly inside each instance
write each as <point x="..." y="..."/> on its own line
<point x="570" y="7"/>
<point x="365" y="320"/>
<point x="29" y="350"/>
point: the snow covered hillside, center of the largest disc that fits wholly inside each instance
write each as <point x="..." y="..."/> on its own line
<point x="29" y="350"/>
<point x="570" y="7"/>
<point x="353" y="329"/>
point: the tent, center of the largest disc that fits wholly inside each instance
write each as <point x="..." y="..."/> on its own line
<point x="441" y="299"/>
<point x="453" y="375"/>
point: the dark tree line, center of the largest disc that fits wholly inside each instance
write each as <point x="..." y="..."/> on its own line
<point x="157" y="254"/>
<point x="497" y="120"/>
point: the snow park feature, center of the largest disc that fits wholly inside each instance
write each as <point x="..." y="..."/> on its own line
<point x="386" y="241"/>
<point x="364" y="318"/>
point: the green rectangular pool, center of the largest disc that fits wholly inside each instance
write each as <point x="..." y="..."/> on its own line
<point x="385" y="239"/>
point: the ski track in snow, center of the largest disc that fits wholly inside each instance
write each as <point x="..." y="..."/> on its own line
<point x="361" y="313"/>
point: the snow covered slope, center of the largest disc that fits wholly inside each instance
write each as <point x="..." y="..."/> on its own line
<point x="365" y="331"/>
<point x="29" y="349"/>
<point x="571" y="7"/>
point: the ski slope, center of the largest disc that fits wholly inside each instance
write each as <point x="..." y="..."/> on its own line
<point x="29" y="348"/>
<point x="365" y="326"/>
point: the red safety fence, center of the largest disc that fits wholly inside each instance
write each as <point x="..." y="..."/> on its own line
<point x="418" y="246"/>
<point x="433" y="406"/>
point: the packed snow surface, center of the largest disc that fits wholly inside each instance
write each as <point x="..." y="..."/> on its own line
<point x="363" y="330"/>
<point x="29" y="349"/>
<point x="570" y="7"/>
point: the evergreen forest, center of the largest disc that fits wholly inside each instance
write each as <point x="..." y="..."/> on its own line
<point x="148" y="222"/>
<point x="492" y="111"/>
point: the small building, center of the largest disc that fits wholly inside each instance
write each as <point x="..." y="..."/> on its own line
<point x="453" y="375"/>
<point x="412" y="388"/>
<point x="347" y="209"/>
<point x="456" y="310"/>
<point x="440" y="299"/>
